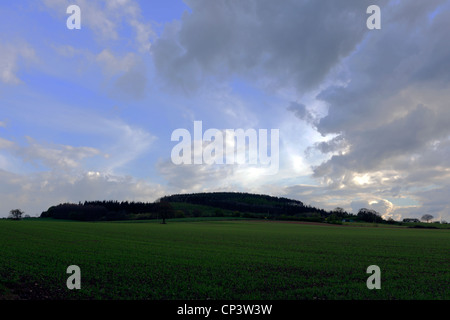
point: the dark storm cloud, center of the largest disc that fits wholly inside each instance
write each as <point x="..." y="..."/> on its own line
<point x="288" y="43"/>
<point x="396" y="102"/>
<point x="301" y="112"/>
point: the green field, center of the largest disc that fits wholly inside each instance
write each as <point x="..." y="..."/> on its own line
<point x="220" y="260"/>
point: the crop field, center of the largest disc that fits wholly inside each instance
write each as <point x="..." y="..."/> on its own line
<point x="227" y="260"/>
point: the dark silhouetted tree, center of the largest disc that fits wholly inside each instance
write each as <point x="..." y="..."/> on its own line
<point x="339" y="212"/>
<point x="369" y="215"/>
<point x="427" y="217"/>
<point x="166" y="210"/>
<point x="16" y="214"/>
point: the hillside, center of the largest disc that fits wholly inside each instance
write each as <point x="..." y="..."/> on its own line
<point x="247" y="202"/>
<point x="189" y="205"/>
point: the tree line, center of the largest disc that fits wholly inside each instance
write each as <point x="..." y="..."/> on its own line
<point x="235" y="204"/>
<point x="109" y="211"/>
<point x="250" y="203"/>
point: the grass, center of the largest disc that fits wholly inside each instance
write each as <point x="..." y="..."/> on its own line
<point x="190" y="219"/>
<point x="226" y="259"/>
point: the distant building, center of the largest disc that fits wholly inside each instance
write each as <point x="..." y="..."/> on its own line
<point x="411" y="220"/>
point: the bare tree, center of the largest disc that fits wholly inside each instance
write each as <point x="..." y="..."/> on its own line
<point x="427" y="217"/>
<point x="16" y="214"/>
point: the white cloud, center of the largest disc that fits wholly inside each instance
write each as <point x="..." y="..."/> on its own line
<point x="92" y="16"/>
<point x="54" y="157"/>
<point x="104" y="143"/>
<point x="382" y="206"/>
<point x="69" y="51"/>
<point x="124" y="74"/>
<point x="113" y="65"/>
<point x="66" y="173"/>
<point x="127" y="72"/>
<point x="10" y="57"/>
<point x="129" y="143"/>
<point x="37" y="192"/>
<point x="105" y="18"/>
<point x="5" y="144"/>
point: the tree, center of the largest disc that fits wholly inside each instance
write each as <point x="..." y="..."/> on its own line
<point x="369" y="215"/>
<point x="339" y="212"/>
<point x="166" y="210"/>
<point x="16" y="214"/>
<point x="332" y="218"/>
<point x="427" y="217"/>
<point x="196" y="213"/>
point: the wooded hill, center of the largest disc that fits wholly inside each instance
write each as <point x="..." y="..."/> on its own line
<point x="219" y="204"/>
<point x="248" y="203"/>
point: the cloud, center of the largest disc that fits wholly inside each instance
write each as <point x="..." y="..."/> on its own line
<point x="435" y="201"/>
<point x="293" y="45"/>
<point x="54" y="157"/>
<point x="132" y="14"/>
<point x="37" y="192"/>
<point x="390" y="114"/>
<point x="301" y="112"/>
<point x="11" y="56"/>
<point x="127" y="144"/>
<point x="5" y="144"/>
<point x="65" y="173"/>
<point x="113" y="65"/>
<point x="128" y="73"/>
<point x="93" y="16"/>
<point x="382" y="206"/>
<point x="124" y="74"/>
<point x="103" y="143"/>
<point x="106" y="17"/>
<point x="370" y="108"/>
<point x="69" y="51"/>
<point x="195" y="178"/>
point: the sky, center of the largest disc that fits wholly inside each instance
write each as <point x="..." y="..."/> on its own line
<point x="363" y="114"/>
